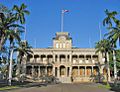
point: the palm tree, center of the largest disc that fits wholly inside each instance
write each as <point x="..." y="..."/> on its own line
<point x="104" y="46"/>
<point x="114" y="33"/>
<point x="24" y="49"/>
<point x="8" y="27"/>
<point x="110" y="17"/>
<point x="20" y="12"/>
<point x="12" y="36"/>
<point x="7" y="23"/>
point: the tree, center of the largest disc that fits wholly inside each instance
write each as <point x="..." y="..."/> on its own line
<point x="9" y="29"/>
<point x="20" y="12"/>
<point x="104" y="46"/>
<point x="24" y="49"/>
<point x="114" y="32"/>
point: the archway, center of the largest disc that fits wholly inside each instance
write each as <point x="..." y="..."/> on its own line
<point x="62" y="71"/>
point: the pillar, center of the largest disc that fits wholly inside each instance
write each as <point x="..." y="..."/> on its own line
<point x="53" y="71"/>
<point x="66" y="71"/>
<point x="53" y="57"/>
<point x="85" y="72"/>
<point x="70" y="71"/>
<point x="66" y="58"/>
<point x="39" y="58"/>
<point x="46" y="70"/>
<point x="58" y="58"/>
<point x="32" y="71"/>
<point x="58" y="72"/>
<point x="92" y="71"/>
<point x="70" y="58"/>
<point x="78" y="71"/>
<point x="77" y="59"/>
<point x="38" y="71"/>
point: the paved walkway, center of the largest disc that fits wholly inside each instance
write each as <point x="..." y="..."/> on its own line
<point x="64" y="88"/>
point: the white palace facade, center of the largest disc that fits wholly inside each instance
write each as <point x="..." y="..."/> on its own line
<point x="65" y="62"/>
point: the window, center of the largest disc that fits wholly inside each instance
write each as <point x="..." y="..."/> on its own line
<point x="60" y="45"/>
<point x="57" y="45"/>
<point x="63" y="45"/>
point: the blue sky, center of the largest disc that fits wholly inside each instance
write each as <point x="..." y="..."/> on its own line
<point x="82" y="20"/>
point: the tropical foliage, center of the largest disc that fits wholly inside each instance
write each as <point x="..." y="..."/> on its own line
<point x="11" y="28"/>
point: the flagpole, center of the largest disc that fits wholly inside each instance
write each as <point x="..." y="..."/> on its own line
<point x="100" y="32"/>
<point x="62" y="20"/>
<point x="35" y="43"/>
<point x="89" y="42"/>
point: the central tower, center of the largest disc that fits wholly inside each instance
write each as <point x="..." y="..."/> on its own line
<point x="62" y="41"/>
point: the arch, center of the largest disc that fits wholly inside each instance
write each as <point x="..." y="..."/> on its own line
<point x="95" y="70"/>
<point x="88" y="70"/>
<point x="62" y="58"/>
<point x="74" y="58"/>
<point x="104" y="71"/>
<point x="88" y="57"/>
<point x="82" y="70"/>
<point x="95" y="57"/>
<point x="81" y="58"/>
<point x="75" y="71"/>
<point x="36" y="56"/>
<point x="29" y="57"/>
<point x="62" y="71"/>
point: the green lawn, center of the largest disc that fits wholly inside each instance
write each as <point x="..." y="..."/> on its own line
<point x="104" y="86"/>
<point x="8" y="88"/>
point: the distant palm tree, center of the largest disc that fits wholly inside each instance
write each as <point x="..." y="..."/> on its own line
<point x="24" y="49"/>
<point x="104" y="46"/>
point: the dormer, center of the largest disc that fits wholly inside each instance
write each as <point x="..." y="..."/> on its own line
<point x="62" y="41"/>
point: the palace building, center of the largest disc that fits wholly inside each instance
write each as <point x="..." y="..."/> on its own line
<point x="65" y="62"/>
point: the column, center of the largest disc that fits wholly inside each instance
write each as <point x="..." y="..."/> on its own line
<point x="77" y="59"/>
<point x="38" y="71"/>
<point x="53" y="71"/>
<point x="78" y="71"/>
<point x="46" y="70"/>
<point x="91" y="58"/>
<point x="85" y="58"/>
<point x="58" y="72"/>
<point x="70" y="71"/>
<point x="58" y="58"/>
<point x="32" y="71"/>
<point x="66" y="58"/>
<point x="66" y="71"/>
<point x="39" y="58"/>
<point x="54" y="58"/>
<point x="92" y="71"/>
<point x="85" y="71"/>
<point x="70" y="58"/>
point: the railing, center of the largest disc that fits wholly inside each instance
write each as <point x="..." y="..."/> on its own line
<point x="63" y="61"/>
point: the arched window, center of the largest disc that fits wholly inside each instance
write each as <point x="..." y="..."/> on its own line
<point x="63" y="45"/>
<point x="60" y="45"/>
<point x="57" y="45"/>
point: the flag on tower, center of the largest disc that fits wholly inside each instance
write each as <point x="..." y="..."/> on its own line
<point x="63" y="11"/>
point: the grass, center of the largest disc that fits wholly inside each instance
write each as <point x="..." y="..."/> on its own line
<point x="8" y="88"/>
<point x="104" y="86"/>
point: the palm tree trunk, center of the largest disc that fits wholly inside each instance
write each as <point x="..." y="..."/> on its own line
<point x="2" y="41"/>
<point x="10" y="67"/>
<point x="115" y="68"/>
<point x="18" y="67"/>
<point x="108" y="69"/>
